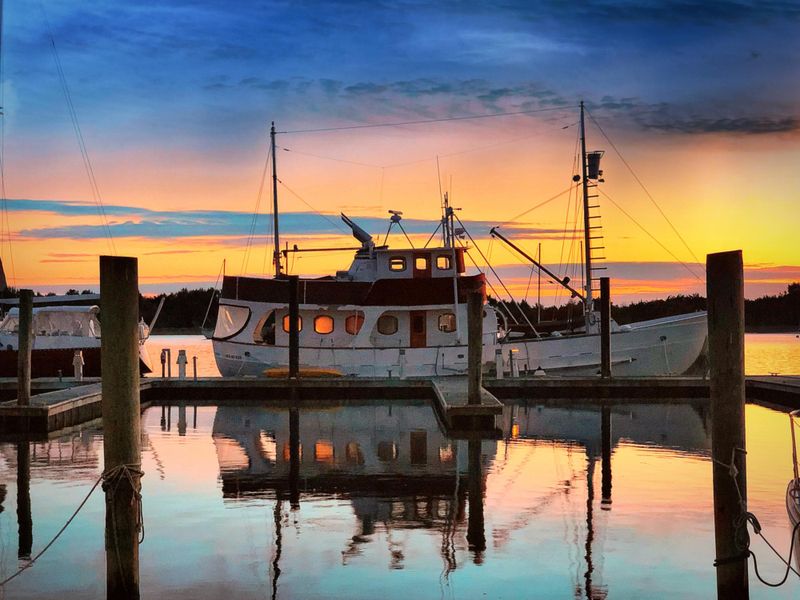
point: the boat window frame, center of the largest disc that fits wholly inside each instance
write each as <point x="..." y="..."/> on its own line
<point x="397" y="260"/>
<point x="259" y="328"/>
<point x="238" y="331"/>
<point x="285" y="323"/>
<point x="444" y="329"/>
<point x="332" y="322"/>
<point x="388" y="316"/>
<point x="359" y="318"/>
<point x="447" y="260"/>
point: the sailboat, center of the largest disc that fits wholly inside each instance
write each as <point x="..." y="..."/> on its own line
<point x="402" y="313"/>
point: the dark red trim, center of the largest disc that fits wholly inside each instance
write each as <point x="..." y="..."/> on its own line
<point x="48" y="363"/>
<point x="384" y="292"/>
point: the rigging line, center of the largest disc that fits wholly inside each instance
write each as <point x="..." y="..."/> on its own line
<point x="622" y="210"/>
<point x="522" y="214"/>
<point x="308" y="204"/>
<point x="341" y="160"/>
<point x="78" y="132"/>
<point x="500" y="281"/>
<point x="254" y="220"/>
<point x="500" y="303"/>
<point x="646" y="191"/>
<point x="423" y="121"/>
<point x="5" y="223"/>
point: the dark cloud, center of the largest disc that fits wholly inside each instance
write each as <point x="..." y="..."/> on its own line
<point x="741" y="125"/>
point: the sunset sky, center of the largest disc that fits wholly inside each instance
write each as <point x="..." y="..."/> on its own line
<point x="174" y="101"/>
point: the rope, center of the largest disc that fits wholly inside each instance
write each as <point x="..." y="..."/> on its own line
<point x="127" y="471"/>
<point x="422" y="121"/>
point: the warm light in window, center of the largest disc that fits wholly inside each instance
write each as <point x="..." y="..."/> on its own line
<point x="323" y="451"/>
<point x="353" y="323"/>
<point x="421" y="263"/>
<point x="323" y="324"/>
<point x="443" y="262"/>
<point x="447" y="322"/>
<point x="397" y="263"/>
<point x="286" y="323"/>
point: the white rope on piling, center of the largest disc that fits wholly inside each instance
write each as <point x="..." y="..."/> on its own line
<point x="128" y="471"/>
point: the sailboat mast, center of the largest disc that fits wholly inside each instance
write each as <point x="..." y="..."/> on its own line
<point x="276" y="254"/>
<point x="586" y="231"/>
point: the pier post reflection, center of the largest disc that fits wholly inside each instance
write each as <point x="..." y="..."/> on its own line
<point x="294" y="458"/>
<point x="605" y="434"/>
<point x="194" y="417"/>
<point x="181" y="418"/>
<point x="476" y="537"/>
<point x="24" y="500"/>
<point x="163" y="418"/>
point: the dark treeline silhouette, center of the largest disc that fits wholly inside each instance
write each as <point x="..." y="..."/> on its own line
<point x="184" y="310"/>
<point x="768" y="312"/>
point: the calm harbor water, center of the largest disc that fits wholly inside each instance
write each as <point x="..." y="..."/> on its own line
<point x="765" y="353"/>
<point x="383" y="504"/>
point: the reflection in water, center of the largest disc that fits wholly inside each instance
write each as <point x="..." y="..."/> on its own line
<point x="329" y="501"/>
<point x="24" y="520"/>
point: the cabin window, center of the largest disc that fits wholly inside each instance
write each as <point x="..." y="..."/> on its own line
<point x="447" y="322"/>
<point x="231" y="320"/>
<point x="387" y="324"/>
<point x="353" y="454"/>
<point x="421" y="263"/>
<point x="353" y="323"/>
<point x="397" y="263"/>
<point x="286" y="323"/>
<point x="387" y="451"/>
<point x="323" y="451"/>
<point x="264" y="331"/>
<point x="443" y="262"/>
<point x="323" y="324"/>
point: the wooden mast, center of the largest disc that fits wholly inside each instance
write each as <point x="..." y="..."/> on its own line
<point x="276" y="254"/>
<point x="586" y="231"/>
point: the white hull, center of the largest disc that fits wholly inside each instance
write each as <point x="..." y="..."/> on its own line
<point x="667" y="346"/>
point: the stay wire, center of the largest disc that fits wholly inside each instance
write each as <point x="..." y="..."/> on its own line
<point x="646" y="191"/>
<point x="254" y="220"/>
<point x="541" y="204"/>
<point x="423" y="121"/>
<point x="640" y="226"/>
<point x="313" y="208"/>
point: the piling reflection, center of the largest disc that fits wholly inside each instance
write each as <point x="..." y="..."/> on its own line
<point x="24" y="519"/>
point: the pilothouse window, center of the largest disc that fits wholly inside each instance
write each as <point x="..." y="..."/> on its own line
<point x="443" y="262"/>
<point x="447" y="322"/>
<point x="397" y="263"/>
<point x="231" y="320"/>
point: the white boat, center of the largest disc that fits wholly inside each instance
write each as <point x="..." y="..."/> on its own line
<point x="59" y="332"/>
<point x="402" y="313"/>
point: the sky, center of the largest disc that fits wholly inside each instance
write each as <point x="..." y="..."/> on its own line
<point x="695" y="104"/>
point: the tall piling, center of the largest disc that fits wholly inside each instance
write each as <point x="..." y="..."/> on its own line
<point x="725" y="290"/>
<point x="24" y="519"/>
<point x="605" y="327"/>
<point x="24" y="347"/>
<point x="294" y="329"/>
<point x="474" y="346"/>
<point x="119" y="298"/>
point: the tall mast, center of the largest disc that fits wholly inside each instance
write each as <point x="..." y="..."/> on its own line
<point x="586" y="231"/>
<point x="276" y="254"/>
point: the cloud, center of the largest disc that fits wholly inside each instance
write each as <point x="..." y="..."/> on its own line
<point x="742" y="125"/>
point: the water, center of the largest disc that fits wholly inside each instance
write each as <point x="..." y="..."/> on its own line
<point x="386" y="505"/>
<point x="764" y="353"/>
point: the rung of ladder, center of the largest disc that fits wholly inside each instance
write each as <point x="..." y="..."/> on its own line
<point x="596" y="227"/>
<point x="594" y="216"/>
<point x="594" y="206"/>
<point x="598" y="258"/>
<point x="597" y="248"/>
<point x="599" y="269"/>
<point x="596" y="237"/>
<point x="593" y="195"/>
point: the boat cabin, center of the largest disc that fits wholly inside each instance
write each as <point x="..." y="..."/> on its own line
<point x="80" y="321"/>
<point x="411" y="263"/>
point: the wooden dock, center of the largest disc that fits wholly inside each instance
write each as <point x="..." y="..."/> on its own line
<point x="56" y="404"/>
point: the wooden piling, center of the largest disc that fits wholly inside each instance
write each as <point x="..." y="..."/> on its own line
<point x="474" y="346"/>
<point x="119" y="297"/>
<point x="725" y="289"/>
<point x="605" y="327"/>
<point x="294" y="330"/>
<point x="24" y="347"/>
<point x="24" y="519"/>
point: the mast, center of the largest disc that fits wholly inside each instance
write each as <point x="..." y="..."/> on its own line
<point x="586" y="231"/>
<point x="276" y="254"/>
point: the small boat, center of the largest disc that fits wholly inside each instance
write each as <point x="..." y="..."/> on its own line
<point x="793" y="492"/>
<point x="59" y="332"/>
<point x="402" y="312"/>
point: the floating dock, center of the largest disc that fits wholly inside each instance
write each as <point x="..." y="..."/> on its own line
<point x="57" y="404"/>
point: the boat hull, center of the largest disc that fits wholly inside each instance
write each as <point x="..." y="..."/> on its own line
<point x="668" y="346"/>
<point x="57" y="362"/>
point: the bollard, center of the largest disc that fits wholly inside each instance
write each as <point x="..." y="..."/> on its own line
<point x="181" y="362"/>
<point x="498" y="363"/>
<point x="605" y="328"/>
<point x="24" y="519"/>
<point x="24" y="347"/>
<point x="194" y="368"/>
<point x="402" y="363"/>
<point x="77" y="365"/>
<point x="605" y="436"/>
<point x="474" y="346"/>
<point x="60" y="375"/>
<point x="725" y="289"/>
<point x="119" y="297"/>
<point x="294" y="330"/>
<point x="476" y="536"/>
